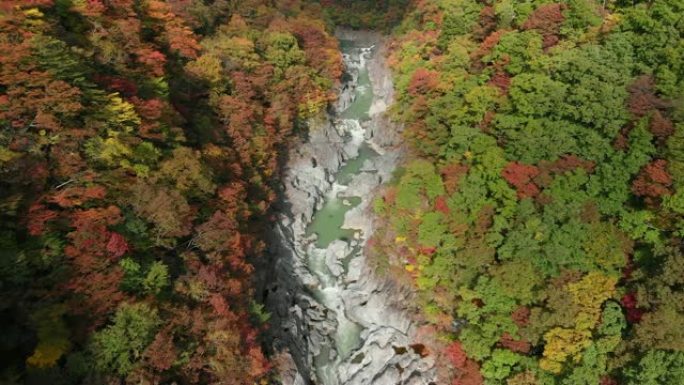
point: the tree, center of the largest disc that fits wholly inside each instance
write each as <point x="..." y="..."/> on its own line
<point x="547" y="19"/>
<point x="119" y="347"/>
<point x="423" y="82"/>
<point x="53" y="337"/>
<point x="185" y="170"/>
<point x="500" y="365"/>
<point x="656" y="367"/>
<point x="521" y="177"/>
<point x="653" y="181"/>
<point x="166" y="209"/>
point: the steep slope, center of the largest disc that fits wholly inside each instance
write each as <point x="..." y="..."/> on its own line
<point x="540" y="216"/>
<point x="342" y="324"/>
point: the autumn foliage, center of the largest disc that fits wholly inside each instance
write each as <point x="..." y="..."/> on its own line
<point x="138" y="155"/>
<point x="653" y="180"/>
<point x="423" y="82"/>
<point x="521" y="177"/>
<point x="547" y="20"/>
<point x="555" y="202"/>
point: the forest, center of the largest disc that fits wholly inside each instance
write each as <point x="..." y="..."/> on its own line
<point x="538" y="215"/>
<point x="548" y="163"/>
<point x="139" y="145"/>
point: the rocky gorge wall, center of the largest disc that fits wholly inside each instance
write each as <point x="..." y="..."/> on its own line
<point x="309" y="309"/>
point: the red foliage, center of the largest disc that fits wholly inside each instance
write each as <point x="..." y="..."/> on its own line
<point x="550" y="40"/>
<point x="38" y="216"/>
<point x="653" y="181"/>
<point x="390" y="195"/>
<point x="661" y="127"/>
<point x="564" y="164"/>
<point x="486" y="47"/>
<point x="502" y="81"/>
<point x="76" y="196"/>
<point x="117" y="245"/>
<point x="486" y="24"/>
<point x="441" y="205"/>
<point x="547" y="19"/>
<point x="96" y="276"/>
<point x="8" y="5"/>
<point x="521" y="316"/>
<point x="153" y="59"/>
<point x="469" y="374"/>
<point x="456" y="355"/>
<point x="419" y="107"/>
<point x="519" y="346"/>
<point x="118" y="84"/>
<point x="150" y="109"/>
<point x="427" y="250"/>
<point x="423" y="81"/>
<point x="321" y="50"/>
<point x="219" y="304"/>
<point x="161" y="354"/>
<point x="629" y="302"/>
<point x="177" y="34"/>
<point x="484" y="220"/>
<point x="621" y="141"/>
<point x="520" y="176"/>
<point x="642" y="98"/>
<point x="605" y="380"/>
<point x="571" y="162"/>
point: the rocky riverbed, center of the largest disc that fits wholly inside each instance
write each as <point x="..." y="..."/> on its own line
<point x="334" y="320"/>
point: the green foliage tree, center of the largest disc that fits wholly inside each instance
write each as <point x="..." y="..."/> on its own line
<point x="119" y="347"/>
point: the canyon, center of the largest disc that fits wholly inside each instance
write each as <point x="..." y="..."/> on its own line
<point x="340" y="322"/>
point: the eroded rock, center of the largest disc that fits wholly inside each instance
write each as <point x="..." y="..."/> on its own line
<point x="302" y="324"/>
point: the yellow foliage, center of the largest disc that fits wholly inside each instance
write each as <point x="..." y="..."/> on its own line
<point x="34" y="17"/>
<point x="313" y="103"/>
<point x="589" y="294"/>
<point x="6" y="155"/>
<point x="53" y="337"/>
<point x="47" y="353"/>
<point x="562" y="344"/>
<point x="120" y="115"/>
<point x="207" y="67"/>
<point x="33" y="13"/>
<point x="113" y="149"/>
<point x="409" y="267"/>
<point x="213" y="151"/>
<point x="398" y="240"/>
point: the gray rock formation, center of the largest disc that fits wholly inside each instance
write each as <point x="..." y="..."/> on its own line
<point x="336" y="321"/>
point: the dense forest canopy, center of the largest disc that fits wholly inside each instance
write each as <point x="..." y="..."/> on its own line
<point x="539" y="215"/>
<point x="547" y="137"/>
<point x="139" y="149"/>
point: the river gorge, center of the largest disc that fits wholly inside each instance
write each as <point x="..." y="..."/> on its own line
<point x="340" y="323"/>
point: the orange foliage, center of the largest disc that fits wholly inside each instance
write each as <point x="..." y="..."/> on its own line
<point x="423" y="81"/>
<point x="451" y="176"/>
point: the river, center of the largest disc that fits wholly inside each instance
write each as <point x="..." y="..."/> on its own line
<point x="328" y="222"/>
<point x="340" y="323"/>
